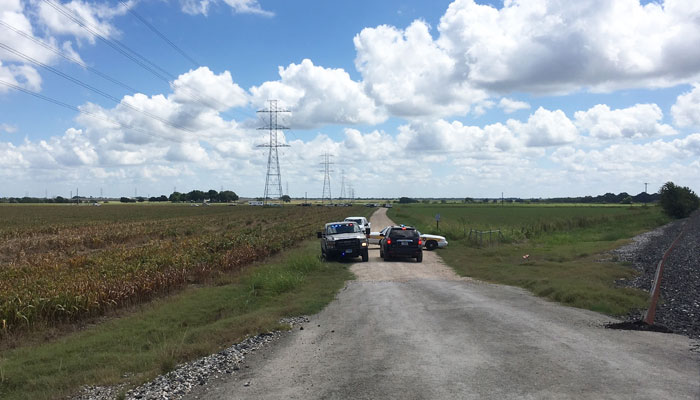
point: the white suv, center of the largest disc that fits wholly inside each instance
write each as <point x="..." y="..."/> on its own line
<point x="361" y="222"/>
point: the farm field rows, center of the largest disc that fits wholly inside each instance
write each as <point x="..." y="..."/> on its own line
<point x="557" y="252"/>
<point x="64" y="263"/>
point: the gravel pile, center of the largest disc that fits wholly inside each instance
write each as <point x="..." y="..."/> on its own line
<point x="185" y="377"/>
<point x="679" y="308"/>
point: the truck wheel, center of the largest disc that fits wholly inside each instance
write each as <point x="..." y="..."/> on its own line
<point x="420" y="257"/>
<point x="365" y="256"/>
<point x="431" y="245"/>
<point x="387" y="257"/>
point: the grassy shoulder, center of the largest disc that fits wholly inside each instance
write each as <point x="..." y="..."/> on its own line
<point x="193" y="323"/>
<point x="566" y="264"/>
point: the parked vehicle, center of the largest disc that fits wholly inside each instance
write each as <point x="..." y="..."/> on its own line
<point x="430" y="242"/>
<point x="343" y="239"/>
<point x="365" y="226"/>
<point x="401" y="241"/>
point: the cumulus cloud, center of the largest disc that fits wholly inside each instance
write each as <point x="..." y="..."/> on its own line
<point x="636" y="122"/>
<point x="686" y="111"/>
<point x="410" y="74"/>
<point x="96" y="17"/>
<point x="195" y="7"/>
<point x="545" y="128"/>
<point x="319" y="96"/>
<point x="510" y="106"/>
<point x="554" y="46"/>
<point x="7" y="128"/>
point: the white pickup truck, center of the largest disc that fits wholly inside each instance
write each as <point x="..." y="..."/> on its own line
<point x="361" y="222"/>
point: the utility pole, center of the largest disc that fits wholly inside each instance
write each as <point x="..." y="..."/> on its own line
<point x="327" y="178"/>
<point x="273" y="179"/>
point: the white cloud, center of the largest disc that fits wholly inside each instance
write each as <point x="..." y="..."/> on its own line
<point x="204" y="88"/>
<point x="554" y="46"/>
<point x="195" y="7"/>
<point x="7" y="128"/>
<point x="510" y="106"/>
<point x="93" y="17"/>
<point x="638" y="121"/>
<point x="411" y="75"/>
<point x="545" y="128"/>
<point x="319" y="96"/>
<point x="686" y="111"/>
<point x="23" y="76"/>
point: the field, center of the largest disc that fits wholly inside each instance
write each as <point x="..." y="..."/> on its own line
<point x="63" y="263"/>
<point x="557" y="252"/>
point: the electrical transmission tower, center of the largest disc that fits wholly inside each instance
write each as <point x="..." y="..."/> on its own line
<point x="342" y="184"/>
<point x="273" y="180"/>
<point x="327" y="178"/>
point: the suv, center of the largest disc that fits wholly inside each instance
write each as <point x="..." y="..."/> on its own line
<point x="401" y="241"/>
<point x="362" y="222"/>
<point x="343" y="239"/>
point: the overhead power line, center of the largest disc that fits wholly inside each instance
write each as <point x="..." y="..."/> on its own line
<point x="94" y="115"/>
<point x="137" y="58"/>
<point x="66" y="57"/>
<point x="161" y="35"/>
<point x="91" y="88"/>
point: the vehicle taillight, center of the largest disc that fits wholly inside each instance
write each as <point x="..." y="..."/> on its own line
<point x="388" y="241"/>
<point x="420" y="241"/>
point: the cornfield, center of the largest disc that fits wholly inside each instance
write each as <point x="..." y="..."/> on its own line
<point x="64" y="263"/>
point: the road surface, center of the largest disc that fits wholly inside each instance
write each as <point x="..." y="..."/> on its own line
<point x="407" y="330"/>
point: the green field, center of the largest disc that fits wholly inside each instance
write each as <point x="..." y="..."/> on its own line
<point x="565" y="247"/>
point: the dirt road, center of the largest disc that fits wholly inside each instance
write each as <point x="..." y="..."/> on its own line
<point x="407" y="330"/>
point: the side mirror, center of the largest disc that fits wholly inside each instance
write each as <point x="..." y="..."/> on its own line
<point x="319" y="235"/>
<point x="367" y="231"/>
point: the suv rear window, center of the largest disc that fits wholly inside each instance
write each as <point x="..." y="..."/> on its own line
<point x="403" y="234"/>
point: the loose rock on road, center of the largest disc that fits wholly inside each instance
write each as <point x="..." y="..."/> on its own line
<point x="407" y="330"/>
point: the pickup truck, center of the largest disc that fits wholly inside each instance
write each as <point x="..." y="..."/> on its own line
<point x="344" y="240"/>
<point x="362" y="222"/>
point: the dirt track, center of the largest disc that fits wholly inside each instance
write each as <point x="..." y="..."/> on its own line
<point x="400" y="270"/>
<point x="407" y="330"/>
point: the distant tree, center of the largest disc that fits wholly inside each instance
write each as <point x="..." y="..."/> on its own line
<point x="443" y="201"/>
<point x="227" y="196"/>
<point x="195" y="195"/>
<point x="286" y="198"/>
<point x="213" y="195"/>
<point x="127" y="200"/>
<point x="677" y="201"/>
<point x="626" y="200"/>
<point x="468" y="200"/>
<point x="406" y="200"/>
<point x="176" y="197"/>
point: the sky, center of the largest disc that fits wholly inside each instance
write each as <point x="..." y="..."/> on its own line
<point x="529" y="98"/>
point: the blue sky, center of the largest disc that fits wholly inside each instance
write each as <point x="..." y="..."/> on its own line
<point x="413" y="98"/>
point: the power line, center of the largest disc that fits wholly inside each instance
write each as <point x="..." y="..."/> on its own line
<point x="94" y="115"/>
<point x="137" y="58"/>
<point x="90" y="87"/>
<point x="71" y="59"/>
<point x="161" y="35"/>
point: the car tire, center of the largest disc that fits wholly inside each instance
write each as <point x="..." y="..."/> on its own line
<point x="420" y="257"/>
<point x="381" y="252"/>
<point x="387" y="257"/>
<point x="431" y="245"/>
<point x="365" y="256"/>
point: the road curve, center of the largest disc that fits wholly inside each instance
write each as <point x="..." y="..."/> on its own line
<point x="407" y="330"/>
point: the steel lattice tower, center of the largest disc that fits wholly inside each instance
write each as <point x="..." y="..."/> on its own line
<point x="327" y="178"/>
<point x="273" y="179"/>
<point x="342" y="184"/>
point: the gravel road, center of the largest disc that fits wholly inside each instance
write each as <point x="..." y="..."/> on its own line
<point x="406" y="330"/>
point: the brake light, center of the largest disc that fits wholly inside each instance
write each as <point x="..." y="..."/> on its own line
<point x="403" y="229"/>
<point x="420" y="241"/>
<point x="388" y="241"/>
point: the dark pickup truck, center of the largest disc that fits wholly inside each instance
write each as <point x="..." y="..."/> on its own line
<point x="344" y="240"/>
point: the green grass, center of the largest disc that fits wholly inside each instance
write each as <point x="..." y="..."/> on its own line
<point x="154" y="338"/>
<point x="565" y="247"/>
